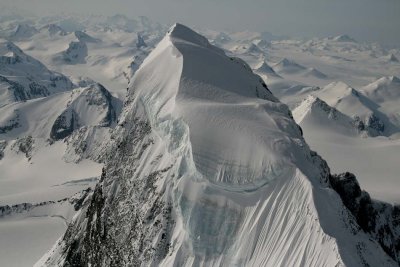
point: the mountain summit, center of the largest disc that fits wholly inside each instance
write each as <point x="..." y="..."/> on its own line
<point x="208" y="168"/>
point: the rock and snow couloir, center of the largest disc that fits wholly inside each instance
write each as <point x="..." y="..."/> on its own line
<point x="208" y="168"/>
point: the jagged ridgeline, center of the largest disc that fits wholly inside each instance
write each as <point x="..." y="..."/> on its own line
<point x="207" y="168"/>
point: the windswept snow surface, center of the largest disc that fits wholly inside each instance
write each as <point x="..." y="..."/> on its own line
<point x="237" y="181"/>
<point x="24" y="240"/>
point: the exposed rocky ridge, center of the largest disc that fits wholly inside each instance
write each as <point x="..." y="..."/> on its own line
<point x="93" y="99"/>
<point x="75" y="53"/>
<point x="77" y="201"/>
<point x="140" y="41"/>
<point x="64" y="125"/>
<point x="3" y="145"/>
<point x="381" y="220"/>
<point x="11" y="124"/>
<point x="24" y="145"/>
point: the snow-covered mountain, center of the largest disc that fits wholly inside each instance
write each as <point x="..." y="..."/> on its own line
<point x="22" y="77"/>
<point x="203" y="153"/>
<point x="383" y="90"/>
<point x="265" y="71"/>
<point x="208" y="168"/>
<point x="75" y="53"/>
<point x="342" y="38"/>
<point x="286" y="66"/>
<point x="314" y="111"/>
<point x="356" y="105"/>
<point x="53" y="29"/>
<point x="24" y="31"/>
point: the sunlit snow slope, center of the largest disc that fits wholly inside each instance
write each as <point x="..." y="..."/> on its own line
<point x="208" y="168"/>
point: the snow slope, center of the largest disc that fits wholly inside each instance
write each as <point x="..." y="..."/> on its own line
<point x="209" y="169"/>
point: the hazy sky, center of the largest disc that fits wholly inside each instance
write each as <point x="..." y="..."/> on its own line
<point x="372" y="20"/>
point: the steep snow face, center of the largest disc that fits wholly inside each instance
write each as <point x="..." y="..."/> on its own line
<point x="23" y="77"/>
<point x="207" y="168"/>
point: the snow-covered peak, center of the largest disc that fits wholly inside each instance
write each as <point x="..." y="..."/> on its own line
<point x="84" y="37"/>
<point x="311" y="103"/>
<point x="313" y="72"/>
<point x="179" y="32"/>
<point x="8" y="48"/>
<point x="253" y="49"/>
<point x="23" y="77"/>
<point x="23" y="31"/>
<point x="76" y="53"/>
<point x="357" y="105"/>
<point x="286" y="62"/>
<point x="314" y="112"/>
<point x="287" y="66"/>
<point x="264" y="68"/>
<point x="384" y="89"/>
<point x="53" y="29"/>
<point x="343" y="38"/>
<point x="391" y="58"/>
<point x="337" y="90"/>
<point x="58" y="116"/>
<point x="346" y="99"/>
<point x="90" y="106"/>
<point x="11" y="54"/>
